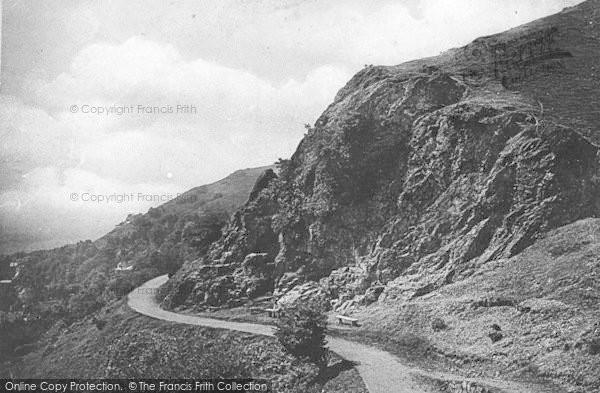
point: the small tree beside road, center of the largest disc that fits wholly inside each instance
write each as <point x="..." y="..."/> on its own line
<point x="301" y="330"/>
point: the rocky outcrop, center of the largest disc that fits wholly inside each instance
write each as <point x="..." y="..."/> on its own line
<point x="413" y="178"/>
<point x="307" y="293"/>
<point x="543" y="177"/>
<point x="238" y="266"/>
<point x="261" y="183"/>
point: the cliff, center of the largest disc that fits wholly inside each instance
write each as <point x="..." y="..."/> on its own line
<point x="419" y="174"/>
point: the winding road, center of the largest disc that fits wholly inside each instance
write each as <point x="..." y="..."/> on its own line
<point x="380" y="370"/>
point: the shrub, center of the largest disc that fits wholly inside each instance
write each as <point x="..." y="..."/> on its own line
<point x="99" y="323"/>
<point x="495" y="336"/>
<point x="593" y="341"/>
<point x="301" y="331"/>
<point x="594" y="346"/>
<point x="438" y="324"/>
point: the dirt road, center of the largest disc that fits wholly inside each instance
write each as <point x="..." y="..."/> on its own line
<point x="380" y="370"/>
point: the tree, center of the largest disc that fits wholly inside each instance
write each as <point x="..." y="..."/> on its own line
<point x="301" y="331"/>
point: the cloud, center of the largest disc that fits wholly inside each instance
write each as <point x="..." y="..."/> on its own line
<point x="381" y="32"/>
<point x="240" y="120"/>
<point x="30" y="138"/>
<point x="250" y="119"/>
<point x="256" y="72"/>
<point x="54" y="206"/>
<point x="143" y="72"/>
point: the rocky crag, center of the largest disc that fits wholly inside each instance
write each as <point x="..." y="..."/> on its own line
<point x="419" y="174"/>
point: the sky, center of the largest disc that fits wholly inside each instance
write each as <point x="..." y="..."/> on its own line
<point x="152" y="98"/>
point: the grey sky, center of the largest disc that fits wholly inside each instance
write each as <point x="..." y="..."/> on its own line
<point x="256" y="71"/>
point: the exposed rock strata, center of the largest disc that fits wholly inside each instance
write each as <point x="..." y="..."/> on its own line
<point x="414" y="177"/>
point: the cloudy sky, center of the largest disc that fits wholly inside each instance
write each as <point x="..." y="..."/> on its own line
<point x="255" y="72"/>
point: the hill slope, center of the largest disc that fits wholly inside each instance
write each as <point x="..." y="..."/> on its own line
<point x="73" y="281"/>
<point x="420" y="176"/>
<point x="540" y="307"/>
<point x="419" y="173"/>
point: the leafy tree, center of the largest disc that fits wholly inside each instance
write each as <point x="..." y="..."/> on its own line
<point x="301" y="331"/>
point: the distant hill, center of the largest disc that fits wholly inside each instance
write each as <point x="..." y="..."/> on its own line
<point x="75" y="280"/>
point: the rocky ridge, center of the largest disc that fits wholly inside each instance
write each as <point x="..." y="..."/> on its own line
<point x="418" y="174"/>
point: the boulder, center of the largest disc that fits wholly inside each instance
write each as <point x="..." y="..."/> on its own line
<point x="307" y="293"/>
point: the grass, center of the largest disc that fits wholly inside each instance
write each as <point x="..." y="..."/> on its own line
<point x="545" y="301"/>
<point x="134" y="346"/>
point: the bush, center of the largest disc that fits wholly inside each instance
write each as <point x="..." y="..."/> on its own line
<point x="593" y="340"/>
<point x="438" y="324"/>
<point x="301" y="331"/>
<point x="99" y="323"/>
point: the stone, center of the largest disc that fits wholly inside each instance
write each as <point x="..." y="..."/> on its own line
<point x="307" y="293"/>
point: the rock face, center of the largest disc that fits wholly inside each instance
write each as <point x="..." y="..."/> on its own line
<point x="417" y="175"/>
<point x="307" y="293"/>
<point x="241" y="262"/>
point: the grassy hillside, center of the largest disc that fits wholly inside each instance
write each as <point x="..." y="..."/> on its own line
<point x="127" y="345"/>
<point x="541" y="306"/>
<point x="70" y="282"/>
